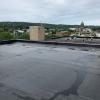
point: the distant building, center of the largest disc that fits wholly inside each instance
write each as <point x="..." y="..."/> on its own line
<point x="37" y="33"/>
<point x="73" y="29"/>
<point x="82" y="24"/>
<point x="18" y="32"/>
<point x="61" y="34"/>
<point x="84" y="31"/>
<point x="97" y="34"/>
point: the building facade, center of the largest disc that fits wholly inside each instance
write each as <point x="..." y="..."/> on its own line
<point x="37" y="33"/>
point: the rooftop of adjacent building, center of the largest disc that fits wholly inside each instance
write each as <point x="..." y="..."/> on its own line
<point x="30" y="70"/>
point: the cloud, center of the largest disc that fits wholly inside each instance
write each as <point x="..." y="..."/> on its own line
<point x="51" y="11"/>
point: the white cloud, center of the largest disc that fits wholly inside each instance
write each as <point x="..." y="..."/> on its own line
<point x="51" y="11"/>
<point x="55" y="2"/>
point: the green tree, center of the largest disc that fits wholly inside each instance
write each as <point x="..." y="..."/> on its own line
<point x="22" y="36"/>
<point x="5" y="36"/>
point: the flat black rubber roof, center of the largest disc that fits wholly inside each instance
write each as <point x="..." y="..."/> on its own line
<point x="31" y="71"/>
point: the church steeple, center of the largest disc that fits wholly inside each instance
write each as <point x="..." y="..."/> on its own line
<point x="82" y="24"/>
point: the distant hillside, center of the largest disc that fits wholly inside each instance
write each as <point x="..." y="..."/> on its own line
<point x="21" y="25"/>
<point x="26" y="25"/>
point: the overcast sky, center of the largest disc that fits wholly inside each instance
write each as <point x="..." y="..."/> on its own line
<point x="51" y="11"/>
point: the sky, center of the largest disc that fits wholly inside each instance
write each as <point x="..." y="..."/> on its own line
<point x="51" y="11"/>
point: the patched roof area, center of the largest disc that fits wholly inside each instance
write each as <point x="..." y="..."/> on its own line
<point x="30" y="71"/>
